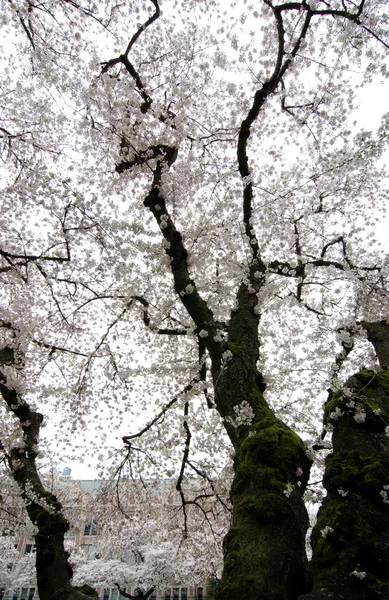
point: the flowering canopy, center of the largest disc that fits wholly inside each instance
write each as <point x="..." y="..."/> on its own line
<point x="180" y="182"/>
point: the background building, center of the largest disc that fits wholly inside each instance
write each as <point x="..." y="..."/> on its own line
<point x="133" y="537"/>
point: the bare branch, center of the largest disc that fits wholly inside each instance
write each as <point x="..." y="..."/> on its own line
<point x="142" y="28"/>
<point x="183" y="465"/>
<point x="35" y="257"/>
<point x="127" y="439"/>
<point x="259" y="100"/>
<point x="87" y="366"/>
<point x="124" y="60"/>
<point x="146" y="320"/>
<point x="54" y="348"/>
<point x="184" y="285"/>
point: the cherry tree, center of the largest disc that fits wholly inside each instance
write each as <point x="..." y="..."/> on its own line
<point x="13" y="524"/>
<point x="8" y="557"/>
<point x="190" y="262"/>
<point x="149" y="552"/>
<point x="140" y="541"/>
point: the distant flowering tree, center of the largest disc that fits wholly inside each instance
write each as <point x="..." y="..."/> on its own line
<point x="189" y="263"/>
<point x="8" y="556"/>
<point x="143" y="545"/>
<point x="13" y="524"/>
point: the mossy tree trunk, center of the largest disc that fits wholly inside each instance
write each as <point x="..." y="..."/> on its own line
<point x="351" y="538"/>
<point x="43" y="508"/>
<point x="264" y="551"/>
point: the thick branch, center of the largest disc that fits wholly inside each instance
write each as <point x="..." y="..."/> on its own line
<point x="378" y="335"/>
<point x="43" y="508"/>
<point x="184" y="285"/>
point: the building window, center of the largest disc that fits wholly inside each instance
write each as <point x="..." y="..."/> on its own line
<point x="24" y="594"/>
<point x="90" y="550"/>
<point x="177" y="593"/>
<point x="200" y="595"/>
<point x="70" y="533"/>
<point x="29" y="549"/>
<point x="111" y="594"/>
<point x="91" y="528"/>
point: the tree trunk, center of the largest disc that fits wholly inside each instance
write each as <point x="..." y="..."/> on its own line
<point x="43" y="508"/>
<point x="378" y="335"/>
<point x="264" y="551"/>
<point x="351" y="538"/>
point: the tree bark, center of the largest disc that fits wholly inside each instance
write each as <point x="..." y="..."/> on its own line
<point x="351" y="538"/>
<point x="264" y="551"/>
<point x="43" y="508"/>
<point x="378" y="335"/>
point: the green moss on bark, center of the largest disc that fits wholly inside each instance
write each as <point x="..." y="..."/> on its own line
<point x="270" y="507"/>
<point x="365" y="392"/>
<point x="235" y="348"/>
<point x="351" y="538"/>
<point x="271" y="451"/>
<point x="346" y="539"/>
<point x="265" y="548"/>
<point x="351" y="472"/>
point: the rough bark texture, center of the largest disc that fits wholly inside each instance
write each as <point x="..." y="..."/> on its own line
<point x="43" y="508"/>
<point x="264" y="551"/>
<point x="351" y="539"/>
<point x="265" y="548"/>
<point x="378" y="335"/>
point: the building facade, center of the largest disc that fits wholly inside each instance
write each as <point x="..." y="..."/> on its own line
<point x="92" y="520"/>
